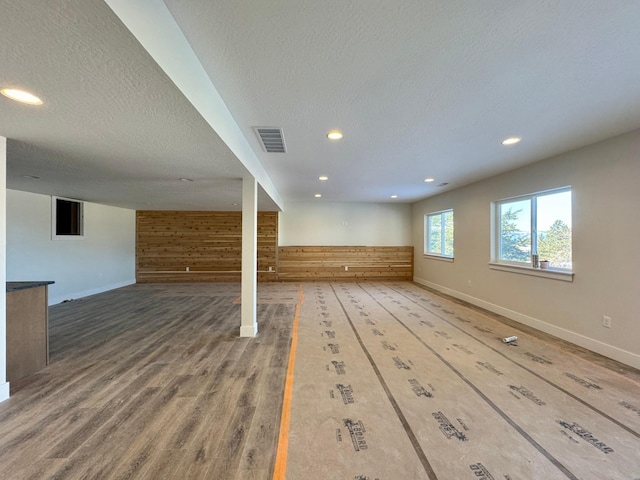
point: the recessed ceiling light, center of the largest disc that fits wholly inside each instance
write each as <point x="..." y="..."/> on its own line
<point x="334" y="135"/>
<point x="317" y="195"/>
<point x="429" y="179"/>
<point x="511" y="140"/>
<point x="186" y="179"/>
<point x="394" y="196"/>
<point x="21" y="96"/>
<point x="323" y="178"/>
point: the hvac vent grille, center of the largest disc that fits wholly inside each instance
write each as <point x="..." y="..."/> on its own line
<point x="271" y="139"/>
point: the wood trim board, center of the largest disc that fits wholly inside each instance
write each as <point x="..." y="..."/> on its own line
<point x="184" y="246"/>
<point x="344" y="263"/>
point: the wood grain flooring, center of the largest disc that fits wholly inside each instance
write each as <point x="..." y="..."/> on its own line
<point x="152" y="381"/>
<point x="392" y="382"/>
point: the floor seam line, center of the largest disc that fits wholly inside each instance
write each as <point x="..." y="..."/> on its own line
<point x="497" y="409"/>
<point x="537" y="375"/>
<point x="403" y="420"/>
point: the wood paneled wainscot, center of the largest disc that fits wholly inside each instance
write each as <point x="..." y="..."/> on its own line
<point x="200" y="246"/>
<point x="345" y="263"/>
<point x="27" y="328"/>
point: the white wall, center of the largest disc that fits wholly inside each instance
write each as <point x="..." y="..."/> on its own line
<point x="336" y="224"/>
<point x="103" y="260"/>
<point x="606" y="237"/>
<point x="4" y="385"/>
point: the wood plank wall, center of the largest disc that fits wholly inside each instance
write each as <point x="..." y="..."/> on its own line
<point x="209" y="243"/>
<point x="328" y="263"/>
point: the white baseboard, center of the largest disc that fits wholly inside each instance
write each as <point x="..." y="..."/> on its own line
<point x="4" y="391"/>
<point x="249" y="330"/>
<point x="85" y="293"/>
<point x="618" y="354"/>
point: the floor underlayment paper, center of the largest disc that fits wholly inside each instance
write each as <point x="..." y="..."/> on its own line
<point x="394" y="382"/>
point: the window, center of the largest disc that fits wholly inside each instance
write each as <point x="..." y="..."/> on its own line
<point x="439" y="234"/>
<point x="539" y="223"/>
<point x="67" y="218"/>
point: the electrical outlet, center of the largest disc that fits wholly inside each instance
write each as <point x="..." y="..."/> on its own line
<point x="469" y="283"/>
<point x="346" y="269"/>
<point x="187" y="269"/>
<point x="606" y="321"/>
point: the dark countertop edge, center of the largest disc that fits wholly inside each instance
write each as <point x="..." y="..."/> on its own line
<point x="14" y="286"/>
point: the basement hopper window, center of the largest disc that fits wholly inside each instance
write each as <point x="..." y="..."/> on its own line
<point x="67" y="218"/>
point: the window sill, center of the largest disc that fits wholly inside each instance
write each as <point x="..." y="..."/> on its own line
<point x="534" y="272"/>
<point x="440" y="258"/>
<point x="67" y="237"/>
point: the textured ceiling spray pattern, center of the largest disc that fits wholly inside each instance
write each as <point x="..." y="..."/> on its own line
<point x="112" y="121"/>
<point x="418" y="88"/>
<point x="427" y="86"/>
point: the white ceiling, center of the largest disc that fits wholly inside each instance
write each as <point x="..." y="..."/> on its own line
<point x="419" y="88"/>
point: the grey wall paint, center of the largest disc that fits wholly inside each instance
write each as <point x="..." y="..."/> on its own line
<point x="343" y="223"/>
<point x="103" y="260"/>
<point x="4" y="385"/>
<point x="606" y="233"/>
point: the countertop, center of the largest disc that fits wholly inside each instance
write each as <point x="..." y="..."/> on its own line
<point x="14" y="286"/>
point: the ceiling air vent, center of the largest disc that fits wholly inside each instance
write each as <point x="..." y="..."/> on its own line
<point x="271" y="139"/>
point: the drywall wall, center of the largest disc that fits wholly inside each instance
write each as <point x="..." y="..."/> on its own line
<point x="4" y="385"/>
<point x="606" y="228"/>
<point x="103" y="260"/>
<point x="336" y="224"/>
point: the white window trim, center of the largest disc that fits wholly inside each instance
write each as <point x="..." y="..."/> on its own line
<point x="54" y="212"/>
<point x="522" y="267"/>
<point x="441" y="258"/>
<point x="553" y="274"/>
<point x="426" y="252"/>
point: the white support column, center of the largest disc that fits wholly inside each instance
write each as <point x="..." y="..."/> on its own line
<point x="248" y="321"/>
<point x="4" y="384"/>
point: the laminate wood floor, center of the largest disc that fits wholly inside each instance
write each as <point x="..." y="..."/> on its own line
<point x="392" y="382"/>
<point x="152" y="381"/>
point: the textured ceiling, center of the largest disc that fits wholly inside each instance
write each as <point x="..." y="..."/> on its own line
<point x="113" y="128"/>
<point x="419" y="88"/>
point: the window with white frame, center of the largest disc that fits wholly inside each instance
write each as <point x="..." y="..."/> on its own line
<point x="67" y="218"/>
<point x="438" y="239"/>
<point x="538" y="223"/>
